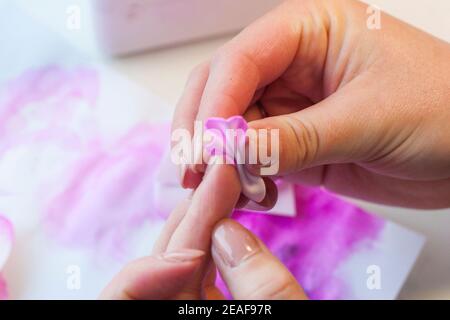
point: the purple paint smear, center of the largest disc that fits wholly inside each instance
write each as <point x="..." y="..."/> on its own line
<point x="313" y="245"/>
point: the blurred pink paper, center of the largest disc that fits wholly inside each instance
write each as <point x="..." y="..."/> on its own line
<point x="6" y="241"/>
<point x="38" y="105"/>
<point x="109" y="194"/>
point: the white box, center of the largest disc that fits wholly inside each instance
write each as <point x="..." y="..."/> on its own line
<point x="118" y="27"/>
<point x="132" y="25"/>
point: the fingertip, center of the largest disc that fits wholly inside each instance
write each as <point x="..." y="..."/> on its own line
<point x="182" y="255"/>
<point x="191" y="179"/>
<point x="232" y="244"/>
<point x="248" y="268"/>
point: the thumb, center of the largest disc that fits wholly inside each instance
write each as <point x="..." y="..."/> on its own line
<point x="248" y="268"/>
<point x="334" y="130"/>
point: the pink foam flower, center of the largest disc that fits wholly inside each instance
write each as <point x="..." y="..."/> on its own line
<point x="221" y="144"/>
<point x="228" y="138"/>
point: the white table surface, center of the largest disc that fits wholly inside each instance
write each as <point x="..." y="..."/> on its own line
<point x="164" y="73"/>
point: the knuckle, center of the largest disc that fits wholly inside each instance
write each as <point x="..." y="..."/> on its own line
<point x="231" y="56"/>
<point x="281" y="286"/>
<point x="222" y="54"/>
<point x="303" y="137"/>
<point x="198" y="71"/>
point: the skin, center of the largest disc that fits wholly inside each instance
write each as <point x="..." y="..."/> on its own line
<point x="361" y="112"/>
<point x="181" y="266"/>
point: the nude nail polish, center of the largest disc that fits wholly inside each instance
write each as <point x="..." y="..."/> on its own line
<point x="182" y="172"/>
<point x="234" y="244"/>
<point x="183" y="255"/>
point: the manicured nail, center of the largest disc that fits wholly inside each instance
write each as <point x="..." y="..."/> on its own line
<point x="191" y="180"/>
<point x="208" y="170"/>
<point x="233" y="243"/>
<point x="182" y="172"/>
<point x="183" y="255"/>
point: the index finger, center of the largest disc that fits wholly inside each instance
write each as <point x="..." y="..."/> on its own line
<point x="213" y="200"/>
<point x="254" y="58"/>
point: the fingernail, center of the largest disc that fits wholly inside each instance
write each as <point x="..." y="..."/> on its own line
<point x="190" y="179"/>
<point x="234" y="244"/>
<point x="183" y="255"/>
<point x="199" y="168"/>
<point x="182" y="172"/>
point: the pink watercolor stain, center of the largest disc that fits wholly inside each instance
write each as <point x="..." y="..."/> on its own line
<point x="325" y="233"/>
<point x="104" y="192"/>
<point x="46" y="94"/>
<point x="3" y="289"/>
<point x="6" y="242"/>
<point x="109" y="194"/>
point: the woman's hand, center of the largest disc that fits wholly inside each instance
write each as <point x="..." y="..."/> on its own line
<point x="181" y="266"/>
<point x="247" y="267"/>
<point x="363" y="112"/>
